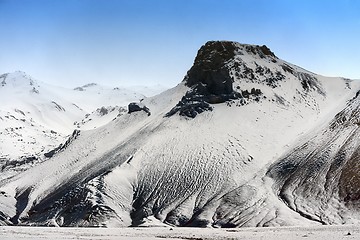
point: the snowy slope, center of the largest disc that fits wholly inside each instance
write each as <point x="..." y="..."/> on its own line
<point x="36" y="117"/>
<point x="320" y="177"/>
<point x="202" y="158"/>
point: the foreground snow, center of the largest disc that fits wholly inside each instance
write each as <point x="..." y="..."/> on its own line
<point x="319" y="232"/>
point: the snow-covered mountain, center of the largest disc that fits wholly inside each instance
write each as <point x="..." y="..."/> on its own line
<point x="246" y="139"/>
<point x="36" y="117"/>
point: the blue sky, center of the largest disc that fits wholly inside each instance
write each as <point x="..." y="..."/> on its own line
<point x="147" y="42"/>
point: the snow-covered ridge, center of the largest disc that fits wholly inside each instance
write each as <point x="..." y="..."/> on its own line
<point x="213" y="152"/>
<point x="36" y="117"/>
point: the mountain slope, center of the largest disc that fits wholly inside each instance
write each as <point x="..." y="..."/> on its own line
<point x="320" y="178"/>
<point x="207" y="154"/>
<point x="36" y="117"/>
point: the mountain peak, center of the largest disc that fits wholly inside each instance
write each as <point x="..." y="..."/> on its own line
<point x="210" y="64"/>
<point x="17" y="79"/>
<point x="215" y="53"/>
<point x="210" y="78"/>
<point x="219" y="52"/>
<point x="209" y="67"/>
<point x="225" y="71"/>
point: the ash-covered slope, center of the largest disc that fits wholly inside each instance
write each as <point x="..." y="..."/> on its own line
<point x="320" y="178"/>
<point x="202" y="157"/>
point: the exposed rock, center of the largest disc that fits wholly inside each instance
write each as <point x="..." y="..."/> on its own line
<point x="309" y="82"/>
<point x="4" y="220"/>
<point x="19" y="111"/>
<point x="135" y="107"/>
<point x="190" y="106"/>
<point x="89" y="85"/>
<point x="287" y="68"/>
<point x="209" y="79"/>
<point x="58" y="107"/>
<point x="262" y="51"/>
<point x="83" y="88"/>
<point x="23" y="160"/>
<point x="3" y="77"/>
<point x="61" y="147"/>
<point x="79" y="89"/>
<point x="209" y="68"/>
<point x="34" y="90"/>
<point x="103" y="111"/>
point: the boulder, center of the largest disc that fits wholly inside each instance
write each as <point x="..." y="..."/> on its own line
<point x="135" y="107"/>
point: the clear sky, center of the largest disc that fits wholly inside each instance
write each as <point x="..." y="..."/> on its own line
<point x="147" y="42"/>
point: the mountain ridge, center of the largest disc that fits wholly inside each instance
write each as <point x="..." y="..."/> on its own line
<point x="37" y="117"/>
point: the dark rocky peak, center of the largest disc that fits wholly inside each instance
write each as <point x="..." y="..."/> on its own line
<point x="210" y="69"/>
<point x="224" y="71"/>
<point x="214" y="54"/>
<point x="213" y="63"/>
<point x="209" y="79"/>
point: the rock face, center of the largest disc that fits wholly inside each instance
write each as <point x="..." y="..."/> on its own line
<point x="210" y="69"/>
<point x="209" y="79"/>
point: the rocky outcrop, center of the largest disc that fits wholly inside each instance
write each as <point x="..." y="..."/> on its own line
<point x="209" y="80"/>
<point x="18" y="162"/>
<point x="262" y="51"/>
<point x="135" y="107"/>
<point x="63" y="146"/>
<point x="209" y="69"/>
<point x="3" y="78"/>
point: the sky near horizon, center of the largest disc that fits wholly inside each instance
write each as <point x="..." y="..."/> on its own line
<point x="149" y="42"/>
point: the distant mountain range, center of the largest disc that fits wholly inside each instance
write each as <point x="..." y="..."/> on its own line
<point x="36" y="117"/>
<point x="246" y="139"/>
